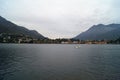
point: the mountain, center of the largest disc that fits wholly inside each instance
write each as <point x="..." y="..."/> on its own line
<point x="101" y="32"/>
<point x="9" y="27"/>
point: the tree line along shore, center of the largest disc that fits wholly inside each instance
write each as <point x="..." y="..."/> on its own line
<point x="21" y="38"/>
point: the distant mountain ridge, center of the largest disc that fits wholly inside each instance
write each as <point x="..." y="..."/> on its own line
<point x="9" y="27"/>
<point x="101" y="32"/>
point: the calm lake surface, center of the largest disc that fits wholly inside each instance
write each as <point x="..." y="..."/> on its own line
<point x="59" y="62"/>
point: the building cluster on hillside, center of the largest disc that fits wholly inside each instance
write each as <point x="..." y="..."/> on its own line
<point x="14" y="38"/>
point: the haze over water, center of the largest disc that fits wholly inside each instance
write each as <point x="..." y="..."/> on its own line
<point x="59" y="62"/>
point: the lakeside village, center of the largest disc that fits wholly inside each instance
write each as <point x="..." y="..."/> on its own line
<point x="20" y="38"/>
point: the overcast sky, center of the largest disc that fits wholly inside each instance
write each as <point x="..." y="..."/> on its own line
<point x="60" y="18"/>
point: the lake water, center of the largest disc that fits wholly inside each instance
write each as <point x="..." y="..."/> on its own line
<point x="59" y="62"/>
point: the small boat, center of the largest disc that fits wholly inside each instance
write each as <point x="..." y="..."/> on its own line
<point x="77" y="46"/>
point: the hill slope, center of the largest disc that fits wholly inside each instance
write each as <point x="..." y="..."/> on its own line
<point x="9" y="27"/>
<point x="100" y="32"/>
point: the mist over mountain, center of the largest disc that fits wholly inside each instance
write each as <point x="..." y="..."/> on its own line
<point x="9" y="27"/>
<point x="101" y="32"/>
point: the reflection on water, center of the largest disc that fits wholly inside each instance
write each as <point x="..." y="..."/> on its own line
<point x="59" y="62"/>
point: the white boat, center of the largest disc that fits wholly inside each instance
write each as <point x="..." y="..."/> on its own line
<point x="77" y="46"/>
